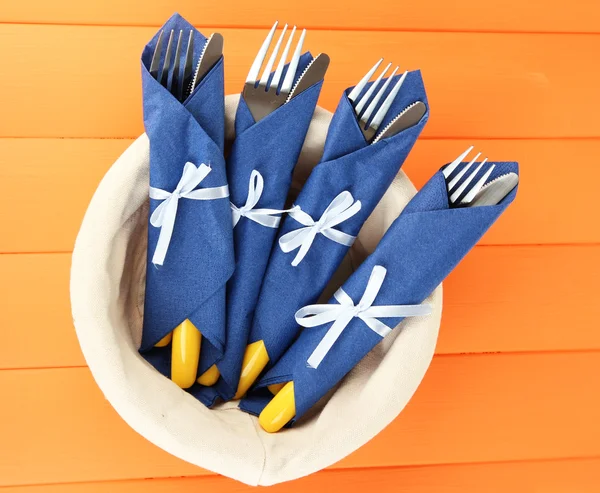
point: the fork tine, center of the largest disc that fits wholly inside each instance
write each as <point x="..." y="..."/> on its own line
<point x="452" y="166"/>
<point x="164" y="75"/>
<point x="384" y="108"/>
<point x="260" y="56"/>
<point x="459" y="191"/>
<point x="371" y="108"/>
<point x="290" y="75"/>
<point x="360" y="104"/>
<point x="175" y="89"/>
<point x="475" y="189"/>
<point x="189" y="64"/>
<point x="363" y="82"/>
<point x="269" y="66"/>
<point x="282" y="60"/>
<point x="156" y="56"/>
<point x="462" y="172"/>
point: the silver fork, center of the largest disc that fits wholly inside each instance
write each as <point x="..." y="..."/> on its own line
<point x="469" y="192"/>
<point x="369" y="126"/>
<point x="178" y="84"/>
<point x="181" y="86"/>
<point x="262" y="96"/>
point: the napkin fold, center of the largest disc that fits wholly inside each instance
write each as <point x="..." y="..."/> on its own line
<point x="259" y="171"/>
<point x="338" y="197"/>
<point x="421" y="247"/>
<point x="187" y="169"/>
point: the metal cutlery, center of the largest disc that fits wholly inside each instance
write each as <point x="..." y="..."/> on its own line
<point x="264" y="95"/>
<point x="182" y="85"/>
<point x="481" y="192"/>
<point x="493" y="192"/>
<point x="370" y="113"/>
<point x="408" y="117"/>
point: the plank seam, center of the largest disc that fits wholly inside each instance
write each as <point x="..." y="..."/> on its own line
<point x="336" y="470"/>
<point x="422" y="137"/>
<point x="254" y="27"/>
<point x="436" y="355"/>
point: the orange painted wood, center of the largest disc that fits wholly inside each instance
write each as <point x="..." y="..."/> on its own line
<point x="480" y="85"/>
<point x="47" y="185"/>
<point x="529" y="306"/>
<point x="463" y="15"/>
<point x="484" y="408"/>
<point x="554" y="476"/>
<point x="60" y="176"/>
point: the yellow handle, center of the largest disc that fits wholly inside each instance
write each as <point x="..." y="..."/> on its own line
<point x="185" y="354"/>
<point x="165" y="340"/>
<point x="275" y="388"/>
<point x="255" y="360"/>
<point x="280" y="410"/>
<point x="210" y="376"/>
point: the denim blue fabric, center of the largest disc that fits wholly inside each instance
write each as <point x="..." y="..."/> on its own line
<point x="271" y="147"/>
<point x="349" y="163"/>
<point x="419" y="250"/>
<point x="200" y="258"/>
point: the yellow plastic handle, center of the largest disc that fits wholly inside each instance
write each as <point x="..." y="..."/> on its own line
<point x="165" y="341"/>
<point x="279" y="411"/>
<point x="185" y="354"/>
<point x="275" y="388"/>
<point x="210" y="376"/>
<point x="255" y="360"/>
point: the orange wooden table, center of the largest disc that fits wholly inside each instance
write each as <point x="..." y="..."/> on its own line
<point x="512" y="399"/>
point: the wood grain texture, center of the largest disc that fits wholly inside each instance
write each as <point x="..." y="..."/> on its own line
<point x="479" y="85"/>
<point x="462" y="15"/>
<point x="60" y="176"/>
<point x="528" y="306"/>
<point x="553" y="476"/>
<point x="485" y="408"/>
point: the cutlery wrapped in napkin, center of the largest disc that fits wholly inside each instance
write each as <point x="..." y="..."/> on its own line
<point x="339" y="195"/>
<point x="259" y="170"/>
<point x="421" y="247"/>
<point x="190" y="240"/>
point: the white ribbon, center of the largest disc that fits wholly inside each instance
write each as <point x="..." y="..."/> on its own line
<point x="164" y="215"/>
<point x="341" y="208"/>
<point x="342" y="314"/>
<point x="264" y="217"/>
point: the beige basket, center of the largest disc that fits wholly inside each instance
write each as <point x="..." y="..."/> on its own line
<point x="107" y="283"/>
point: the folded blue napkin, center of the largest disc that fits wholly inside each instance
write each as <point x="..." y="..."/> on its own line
<point x="338" y="197"/>
<point x="259" y="171"/>
<point x="190" y="240"/>
<point x="417" y="252"/>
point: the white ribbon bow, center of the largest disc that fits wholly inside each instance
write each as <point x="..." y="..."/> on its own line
<point x="164" y="215"/>
<point x="264" y="217"/>
<point x="342" y="314"/>
<point x="341" y="208"/>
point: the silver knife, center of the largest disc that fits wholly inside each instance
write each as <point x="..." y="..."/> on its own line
<point x="313" y="73"/>
<point x="211" y="54"/>
<point x="493" y="193"/>
<point x="410" y="116"/>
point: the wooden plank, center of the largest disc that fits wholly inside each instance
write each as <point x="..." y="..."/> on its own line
<point x="60" y="176"/>
<point x="485" y="408"/>
<point x="47" y="185"/>
<point x="527" y="307"/>
<point x="462" y="15"/>
<point x="480" y="85"/>
<point x="35" y="312"/>
<point x="554" y="476"/>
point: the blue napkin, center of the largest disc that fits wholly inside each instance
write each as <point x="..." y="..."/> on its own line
<point x="190" y="282"/>
<point x="418" y="251"/>
<point x="350" y="171"/>
<point x="262" y="153"/>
